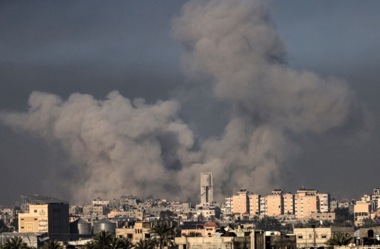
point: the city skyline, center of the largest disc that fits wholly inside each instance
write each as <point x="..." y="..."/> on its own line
<point x="264" y="95"/>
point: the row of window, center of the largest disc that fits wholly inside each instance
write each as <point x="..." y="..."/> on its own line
<point x="323" y="236"/>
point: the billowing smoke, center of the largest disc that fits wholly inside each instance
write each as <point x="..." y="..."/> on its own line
<point x="233" y="46"/>
<point x="121" y="146"/>
<point x="130" y="147"/>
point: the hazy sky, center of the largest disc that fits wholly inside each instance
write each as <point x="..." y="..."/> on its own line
<point x="212" y="102"/>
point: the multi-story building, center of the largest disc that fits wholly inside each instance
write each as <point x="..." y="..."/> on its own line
<point x="240" y="204"/>
<point x="323" y="202"/>
<point x="206" y="190"/>
<point x="288" y="203"/>
<point x="305" y="203"/>
<point x="254" y="204"/>
<point x="274" y="203"/>
<point x="362" y="210"/>
<point x="263" y="205"/>
<point x="227" y="210"/>
<point x="44" y="215"/>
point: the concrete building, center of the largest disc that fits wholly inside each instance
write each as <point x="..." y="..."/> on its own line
<point x="263" y="205"/>
<point x="274" y="203"/>
<point x="362" y="210"/>
<point x="312" y="237"/>
<point x="135" y="231"/>
<point x="206" y="188"/>
<point x="323" y="216"/>
<point x="253" y="239"/>
<point x="44" y="215"/>
<point x="323" y="202"/>
<point x="254" y="204"/>
<point x="305" y="203"/>
<point x="240" y="203"/>
<point x="288" y="203"/>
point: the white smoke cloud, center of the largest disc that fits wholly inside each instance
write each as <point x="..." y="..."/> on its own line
<point x="126" y="146"/>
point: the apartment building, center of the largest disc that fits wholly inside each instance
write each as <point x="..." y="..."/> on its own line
<point x="288" y="203"/>
<point x="240" y="203"/>
<point x="274" y="203"/>
<point x="305" y="203"/>
<point x="135" y="231"/>
<point x="362" y="210"/>
<point x="323" y="202"/>
<point x="254" y="204"/>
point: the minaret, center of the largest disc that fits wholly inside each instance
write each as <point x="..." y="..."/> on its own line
<point x="206" y="190"/>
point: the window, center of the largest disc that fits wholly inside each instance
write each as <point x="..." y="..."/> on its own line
<point x="324" y="236"/>
<point x="300" y="236"/>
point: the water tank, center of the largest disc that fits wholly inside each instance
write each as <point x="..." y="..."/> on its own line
<point x="80" y="227"/>
<point x="84" y="227"/>
<point x="104" y="225"/>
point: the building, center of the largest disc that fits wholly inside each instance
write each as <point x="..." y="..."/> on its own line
<point x="305" y="203"/>
<point x="40" y="214"/>
<point x="135" y="231"/>
<point x="362" y="210"/>
<point x="253" y="239"/>
<point x="312" y="237"/>
<point x="323" y="202"/>
<point x="254" y="204"/>
<point x="288" y="203"/>
<point x="240" y="203"/>
<point x="274" y="203"/>
<point x="206" y="188"/>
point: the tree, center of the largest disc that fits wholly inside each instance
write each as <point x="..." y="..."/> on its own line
<point x="3" y="227"/>
<point x="312" y="223"/>
<point x="268" y="223"/>
<point x="52" y="244"/>
<point x="103" y="240"/>
<point x="144" y="244"/>
<point x="15" y="243"/>
<point x="90" y="245"/>
<point x="339" y="239"/>
<point x="164" y="233"/>
<point x="194" y="234"/>
<point x="343" y="216"/>
<point x="125" y="244"/>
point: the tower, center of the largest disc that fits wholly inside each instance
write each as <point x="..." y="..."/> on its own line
<point x="206" y="190"/>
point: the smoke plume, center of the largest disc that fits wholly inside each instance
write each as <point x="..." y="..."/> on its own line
<point x="124" y="146"/>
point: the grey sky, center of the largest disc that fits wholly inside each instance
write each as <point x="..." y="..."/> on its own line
<point x="95" y="47"/>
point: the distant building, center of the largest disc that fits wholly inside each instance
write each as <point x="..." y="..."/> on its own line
<point x="362" y="211"/>
<point x="312" y="237"/>
<point x="288" y="203"/>
<point x="40" y="214"/>
<point x="274" y="203"/>
<point x="206" y="190"/>
<point x="135" y="231"/>
<point x="305" y="203"/>
<point x="240" y="203"/>
<point x="254" y="204"/>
